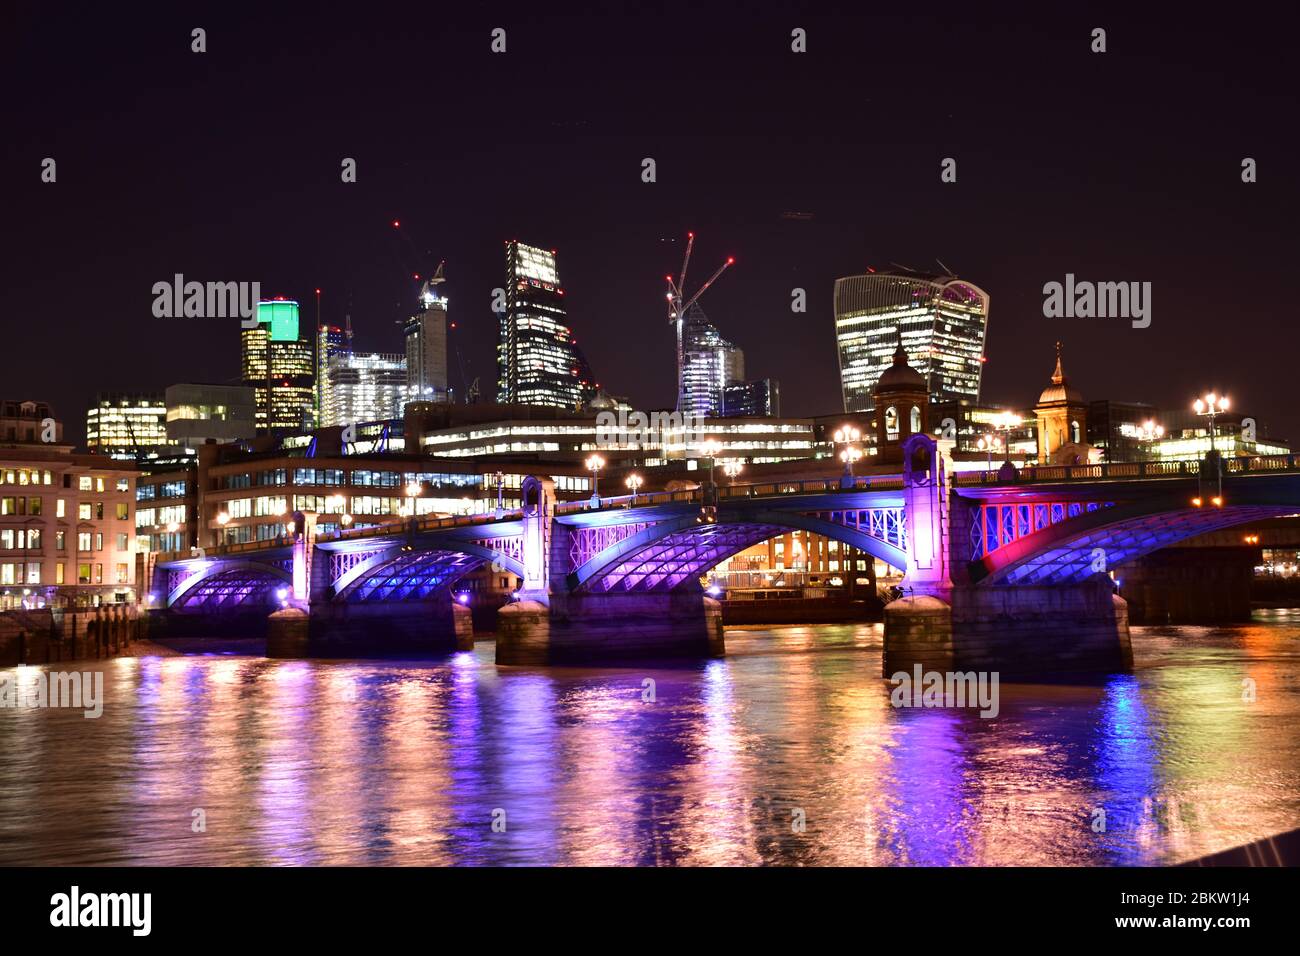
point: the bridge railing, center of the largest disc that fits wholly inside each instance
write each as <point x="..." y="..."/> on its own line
<point x="1127" y="469"/>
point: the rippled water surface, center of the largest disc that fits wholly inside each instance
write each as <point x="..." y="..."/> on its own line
<point x="338" y="762"/>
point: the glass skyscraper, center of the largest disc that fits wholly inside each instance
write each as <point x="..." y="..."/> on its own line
<point x="364" y="387"/>
<point x="426" y="348"/>
<point x="290" y="380"/>
<point x="709" y="364"/>
<point x="538" y="362"/>
<point x="942" y="320"/>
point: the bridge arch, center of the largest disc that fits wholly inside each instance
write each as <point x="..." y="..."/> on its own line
<point x="230" y="584"/>
<point x="668" y="554"/>
<point x="1069" y="551"/>
<point x="417" y="572"/>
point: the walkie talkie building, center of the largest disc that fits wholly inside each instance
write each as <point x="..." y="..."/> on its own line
<point x="942" y="321"/>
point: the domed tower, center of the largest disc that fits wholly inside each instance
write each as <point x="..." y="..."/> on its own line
<point x="902" y="401"/>
<point x="1062" y="415"/>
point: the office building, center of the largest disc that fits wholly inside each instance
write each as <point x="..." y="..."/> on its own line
<point x="131" y="426"/>
<point x="330" y="340"/>
<point x="364" y="387"/>
<point x="760" y="398"/>
<point x="276" y="361"/>
<point x="67" y="527"/>
<point x="942" y="320"/>
<point x="198" y="413"/>
<point x="426" y="346"/>
<point x="538" y="361"/>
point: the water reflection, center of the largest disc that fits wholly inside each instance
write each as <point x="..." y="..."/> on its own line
<point x="787" y="751"/>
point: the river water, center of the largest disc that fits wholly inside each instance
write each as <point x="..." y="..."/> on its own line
<point x="220" y="759"/>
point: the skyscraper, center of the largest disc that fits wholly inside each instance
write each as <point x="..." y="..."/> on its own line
<point x="942" y="320"/>
<point x="289" y="381"/>
<point x="709" y="364"/>
<point x="365" y="387"/>
<point x="426" y="345"/>
<point x="330" y="340"/>
<point x="538" y="362"/>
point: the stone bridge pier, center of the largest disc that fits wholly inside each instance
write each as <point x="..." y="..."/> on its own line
<point x="553" y="622"/>
<point x="947" y="621"/>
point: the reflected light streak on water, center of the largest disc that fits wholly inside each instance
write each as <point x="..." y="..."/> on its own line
<point x="337" y="762"/>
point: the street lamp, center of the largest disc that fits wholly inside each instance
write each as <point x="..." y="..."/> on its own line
<point x="1005" y="422"/>
<point x="500" y="485"/>
<point x="1211" y="406"/>
<point x="594" y="464"/>
<point x="1150" y="432"/>
<point x="223" y="519"/>
<point x="634" y="481"/>
<point x="986" y="443"/>
<point x="731" y="469"/>
<point x="710" y="448"/>
<point x="848" y="436"/>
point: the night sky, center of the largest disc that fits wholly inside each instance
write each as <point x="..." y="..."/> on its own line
<point x="225" y="166"/>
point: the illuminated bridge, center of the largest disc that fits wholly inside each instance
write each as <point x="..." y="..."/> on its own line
<point x="996" y="571"/>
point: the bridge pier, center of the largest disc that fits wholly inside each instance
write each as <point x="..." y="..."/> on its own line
<point x="1190" y="586"/>
<point x="1057" y="632"/>
<point x="611" y="628"/>
<point x="329" y="629"/>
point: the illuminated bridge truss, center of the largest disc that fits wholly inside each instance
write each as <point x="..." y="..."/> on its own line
<point x="586" y="543"/>
<point x="995" y="526"/>
<point x="887" y="524"/>
<point x="681" y="556"/>
<point x="238" y="587"/>
<point x="412" y="576"/>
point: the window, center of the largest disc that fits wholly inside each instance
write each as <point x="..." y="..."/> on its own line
<point x="1074" y="431"/>
<point x="891" y="423"/>
<point x="121" y="541"/>
<point x="33" y="572"/>
<point x="8" y="506"/>
<point x="99" y="541"/>
<point x="99" y="574"/>
<point x="99" y="510"/>
<point x="99" y="483"/>
<point x="83" y="541"/>
<point x="914" y="425"/>
<point x="83" y="483"/>
<point x="121" y="511"/>
<point x="120" y="573"/>
<point x="58" y="573"/>
<point x="34" y="506"/>
<point x="60" y="508"/>
<point x="60" y="541"/>
<point x="83" y="511"/>
<point x="83" y="574"/>
<point x="123" y="484"/>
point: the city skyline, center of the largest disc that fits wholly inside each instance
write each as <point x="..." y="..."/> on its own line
<point x="571" y="178"/>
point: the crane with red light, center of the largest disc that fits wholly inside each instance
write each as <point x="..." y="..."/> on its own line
<point x="678" y="304"/>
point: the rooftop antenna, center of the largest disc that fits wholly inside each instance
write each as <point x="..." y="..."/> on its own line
<point x="946" y="270"/>
<point x="899" y="265"/>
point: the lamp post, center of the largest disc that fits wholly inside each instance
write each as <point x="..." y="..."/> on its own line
<point x="848" y="436"/>
<point x="1211" y="406"/>
<point x="731" y="469"/>
<point x="412" y="492"/>
<point x="709" y="448"/>
<point x="634" y="481"/>
<point x="594" y="464"/>
<point x="986" y="443"/>
<point x="223" y="519"/>
<point x="1004" y="423"/>
<point x="1150" y="432"/>
<point x="500" y="485"/>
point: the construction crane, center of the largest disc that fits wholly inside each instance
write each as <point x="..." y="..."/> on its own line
<point x="678" y="304"/>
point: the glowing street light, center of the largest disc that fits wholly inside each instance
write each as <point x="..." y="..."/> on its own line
<point x="1210" y="406"/>
<point x="848" y="436"/>
<point x="594" y="464"/>
<point x="710" y="448"/>
<point x="732" y="468"/>
<point x="986" y="443"/>
<point x="634" y="482"/>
